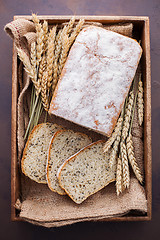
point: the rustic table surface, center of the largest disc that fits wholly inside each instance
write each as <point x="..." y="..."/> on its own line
<point x="125" y="230"/>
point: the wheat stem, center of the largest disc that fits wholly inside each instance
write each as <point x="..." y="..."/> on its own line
<point x="31" y="118"/>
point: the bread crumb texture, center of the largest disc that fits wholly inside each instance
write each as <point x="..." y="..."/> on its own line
<point x="63" y="145"/>
<point x="34" y="158"/>
<point x="96" y="78"/>
<point x="86" y="172"/>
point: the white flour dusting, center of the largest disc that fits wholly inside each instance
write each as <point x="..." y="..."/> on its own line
<point x="96" y="79"/>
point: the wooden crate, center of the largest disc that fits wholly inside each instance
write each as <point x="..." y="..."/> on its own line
<point x="141" y="25"/>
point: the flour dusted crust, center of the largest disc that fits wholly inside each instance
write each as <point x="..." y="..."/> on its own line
<point x="86" y="172"/>
<point x="34" y="159"/>
<point x="96" y="79"/>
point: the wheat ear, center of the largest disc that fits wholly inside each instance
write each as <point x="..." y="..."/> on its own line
<point x="125" y="166"/>
<point x="29" y="69"/>
<point x="45" y="34"/>
<point x="42" y="68"/>
<point x="63" y="56"/>
<point x="70" y="25"/>
<point x="76" y="31"/>
<point x="132" y="159"/>
<point x="114" y="152"/>
<point x="50" y="55"/>
<point x="119" y="176"/>
<point x="140" y="102"/>
<point x="40" y="37"/>
<point x="127" y="116"/>
<point x="33" y="55"/>
<point x="44" y="96"/>
<point x="117" y="129"/>
<point x="58" y="47"/>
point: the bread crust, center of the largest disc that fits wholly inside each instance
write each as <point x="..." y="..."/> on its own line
<point x="70" y="159"/>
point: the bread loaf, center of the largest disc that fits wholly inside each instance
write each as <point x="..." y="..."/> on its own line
<point x="34" y="157"/>
<point x="86" y="172"/>
<point x="64" y="144"/>
<point x="96" y="79"/>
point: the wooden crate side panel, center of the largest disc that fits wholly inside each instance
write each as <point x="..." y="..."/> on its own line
<point x="142" y="21"/>
<point x="14" y="165"/>
<point x="147" y="115"/>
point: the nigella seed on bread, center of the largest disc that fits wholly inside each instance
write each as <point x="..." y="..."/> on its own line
<point x="63" y="145"/>
<point x="86" y="172"/>
<point x="34" y="159"/>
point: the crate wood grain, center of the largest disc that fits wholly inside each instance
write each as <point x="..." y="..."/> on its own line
<point x="141" y="24"/>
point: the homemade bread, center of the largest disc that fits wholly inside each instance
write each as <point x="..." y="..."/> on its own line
<point x="86" y="172"/>
<point x="34" y="158"/>
<point x="64" y="144"/>
<point x="96" y="79"/>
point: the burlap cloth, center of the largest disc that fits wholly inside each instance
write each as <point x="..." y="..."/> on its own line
<point x="36" y="203"/>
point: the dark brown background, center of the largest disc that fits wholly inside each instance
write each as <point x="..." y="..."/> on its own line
<point x="126" y="230"/>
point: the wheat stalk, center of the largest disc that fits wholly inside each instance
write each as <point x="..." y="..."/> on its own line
<point x="140" y="102"/>
<point x="70" y="25"/>
<point x="44" y="96"/>
<point x="42" y="68"/>
<point x="40" y="37"/>
<point x="127" y="116"/>
<point x="117" y="129"/>
<point x="33" y="55"/>
<point x="114" y="151"/>
<point x="29" y="69"/>
<point x="119" y="176"/>
<point x="76" y="31"/>
<point x="132" y="159"/>
<point x="63" y="56"/>
<point x="58" y="46"/>
<point x="125" y="166"/>
<point x="50" y="55"/>
<point x="45" y="35"/>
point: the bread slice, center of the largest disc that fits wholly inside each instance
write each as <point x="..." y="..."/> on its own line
<point x="34" y="159"/>
<point x="64" y="144"/>
<point x="86" y="172"/>
<point x="93" y="96"/>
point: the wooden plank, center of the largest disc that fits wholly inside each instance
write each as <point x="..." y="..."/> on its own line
<point x="14" y="166"/>
<point x="147" y="118"/>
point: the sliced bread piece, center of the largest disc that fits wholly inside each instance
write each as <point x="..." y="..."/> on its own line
<point x="63" y="145"/>
<point x="34" y="158"/>
<point x="86" y="172"/>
